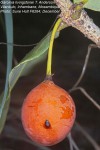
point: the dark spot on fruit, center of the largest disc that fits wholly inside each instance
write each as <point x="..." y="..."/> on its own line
<point x="47" y="124"/>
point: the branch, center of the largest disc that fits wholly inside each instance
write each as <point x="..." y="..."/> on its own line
<point x="72" y="143"/>
<point x="85" y="65"/>
<point x="89" y="138"/>
<point x="87" y="95"/>
<point x="83" y="23"/>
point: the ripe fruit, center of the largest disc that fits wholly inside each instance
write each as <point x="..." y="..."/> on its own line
<point x="48" y="113"/>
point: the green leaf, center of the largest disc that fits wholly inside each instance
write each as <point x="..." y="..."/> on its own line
<point x="4" y="99"/>
<point x="91" y="4"/>
<point x="29" y="61"/>
<point x="32" y="58"/>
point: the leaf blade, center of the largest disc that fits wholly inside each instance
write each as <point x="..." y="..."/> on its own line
<point x="91" y="4"/>
<point x="4" y="101"/>
<point x="18" y="70"/>
<point x="32" y="57"/>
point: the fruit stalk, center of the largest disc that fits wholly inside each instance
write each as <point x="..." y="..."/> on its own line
<point x="49" y="61"/>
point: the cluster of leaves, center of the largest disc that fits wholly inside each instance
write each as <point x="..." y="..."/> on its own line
<point x="32" y="58"/>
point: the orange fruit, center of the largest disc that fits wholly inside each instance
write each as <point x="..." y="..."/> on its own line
<point x="48" y="114"/>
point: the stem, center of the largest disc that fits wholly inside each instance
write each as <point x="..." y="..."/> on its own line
<point x="83" y="23"/>
<point x="89" y="138"/>
<point x="49" y="61"/>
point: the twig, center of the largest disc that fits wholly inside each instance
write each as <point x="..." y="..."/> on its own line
<point x="87" y="95"/>
<point x="72" y="143"/>
<point x="85" y="64"/>
<point x="18" y="45"/>
<point x="89" y="138"/>
<point x="83" y="22"/>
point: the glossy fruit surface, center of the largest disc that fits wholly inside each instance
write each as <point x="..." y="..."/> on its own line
<point x="48" y="114"/>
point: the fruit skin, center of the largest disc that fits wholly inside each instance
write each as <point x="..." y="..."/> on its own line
<point x="48" y="114"/>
